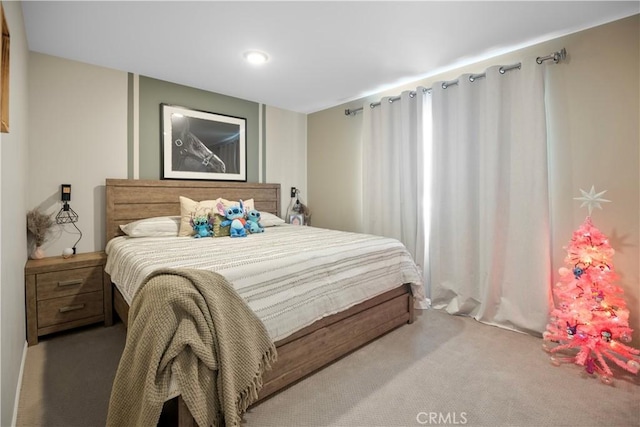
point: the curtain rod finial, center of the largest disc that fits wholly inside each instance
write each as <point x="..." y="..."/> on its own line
<point x="562" y="55"/>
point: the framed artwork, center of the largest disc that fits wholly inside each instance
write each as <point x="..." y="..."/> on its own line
<point x="202" y="145"/>
<point x="296" y="219"/>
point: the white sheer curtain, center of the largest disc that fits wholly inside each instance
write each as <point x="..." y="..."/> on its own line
<point x="489" y="244"/>
<point x="394" y="171"/>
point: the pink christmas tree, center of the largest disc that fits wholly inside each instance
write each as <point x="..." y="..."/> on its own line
<point x="591" y="319"/>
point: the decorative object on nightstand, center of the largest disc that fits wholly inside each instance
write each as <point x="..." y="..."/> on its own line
<point x="66" y="215"/>
<point x="297" y="213"/>
<point x="38" y="227"/>
<point x="63" y="294"/>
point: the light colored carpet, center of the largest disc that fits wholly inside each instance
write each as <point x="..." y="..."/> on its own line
<point x="441" y="370"/>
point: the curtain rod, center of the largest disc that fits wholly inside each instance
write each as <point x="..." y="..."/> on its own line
<point x="555" y="56"/>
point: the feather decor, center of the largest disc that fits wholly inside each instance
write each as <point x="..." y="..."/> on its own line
<point x="38" y="225"/>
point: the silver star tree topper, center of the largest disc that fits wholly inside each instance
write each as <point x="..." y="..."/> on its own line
<point x="591" y="199"/>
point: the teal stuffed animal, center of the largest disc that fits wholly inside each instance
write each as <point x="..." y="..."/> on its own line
<point x="234" y="217"/>
<point x="253" y="224"/>
<point x="202" y="225"/>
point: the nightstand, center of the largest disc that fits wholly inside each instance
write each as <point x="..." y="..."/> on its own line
<point x="66" y="293"/>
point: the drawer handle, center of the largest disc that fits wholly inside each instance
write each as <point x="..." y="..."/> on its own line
<point x="70" y="282"/>
<point x="71" y="308"/>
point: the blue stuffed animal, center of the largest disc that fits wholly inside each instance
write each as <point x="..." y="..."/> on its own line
<point x="234" y="216"/>
<point x="202" y="225"/>
<point x="253" y="224"/>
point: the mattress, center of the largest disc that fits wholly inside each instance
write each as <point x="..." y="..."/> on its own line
<point x="290" y="276"/>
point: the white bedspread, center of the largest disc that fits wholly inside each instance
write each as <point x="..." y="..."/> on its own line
<point x="290" y="276"/>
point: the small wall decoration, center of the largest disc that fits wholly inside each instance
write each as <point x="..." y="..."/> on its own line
<point x="202" y="145"/>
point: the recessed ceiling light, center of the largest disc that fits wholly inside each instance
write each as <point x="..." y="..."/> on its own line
<point x="256" y="57"/>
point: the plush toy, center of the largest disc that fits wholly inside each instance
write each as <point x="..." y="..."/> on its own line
<point x="253" y="224"/>
<point x="202" y="225"/>
<point x="234" y="216"/>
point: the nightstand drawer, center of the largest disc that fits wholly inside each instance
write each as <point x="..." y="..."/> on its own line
<point x="69" y="282"/>
<point x="66" y="309"/>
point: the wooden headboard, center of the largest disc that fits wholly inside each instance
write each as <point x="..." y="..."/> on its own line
<point x="132" y="199"/>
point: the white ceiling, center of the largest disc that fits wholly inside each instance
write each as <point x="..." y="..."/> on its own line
<point x="322" y="53"/>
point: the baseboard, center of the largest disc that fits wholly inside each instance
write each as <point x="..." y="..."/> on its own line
<point x="14" y="418"/>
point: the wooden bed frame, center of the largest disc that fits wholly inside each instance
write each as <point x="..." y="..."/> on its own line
<point x="300" y="354"/>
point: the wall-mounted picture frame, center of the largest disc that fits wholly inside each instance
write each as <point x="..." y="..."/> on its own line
<point x="202" y="145"/>
<point x="296" y="219"/>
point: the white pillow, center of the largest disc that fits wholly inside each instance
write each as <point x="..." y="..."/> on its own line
<point x="161" y="226"/>
<point x="269" y="220"/>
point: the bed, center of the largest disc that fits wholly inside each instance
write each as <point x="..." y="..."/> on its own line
<point x="301" y="350"/>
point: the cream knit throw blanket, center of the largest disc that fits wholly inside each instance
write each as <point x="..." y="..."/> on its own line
<point x="191" y="323"/>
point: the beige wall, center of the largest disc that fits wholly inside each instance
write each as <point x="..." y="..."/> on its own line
<point x="593" y="110"/>
<point x="14" y="182"/>
<point x="334" y="170"/>
<point x="78" y="123"/>
<point x="78" y="136"/>
<point x="286" y="153"/>
<point x="594" y="139"/>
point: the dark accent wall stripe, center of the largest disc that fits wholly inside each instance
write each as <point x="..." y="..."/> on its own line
<point x="264" y="143"/>
<point x="130" y="125"/>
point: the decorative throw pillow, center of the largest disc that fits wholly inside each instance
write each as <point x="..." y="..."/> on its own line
<point x="218" y="230"/>
<point x="269" y="220"/>
<point x="248" y="204"/>
<point x="162" y="226"/>
<point x="190" y="208"/>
